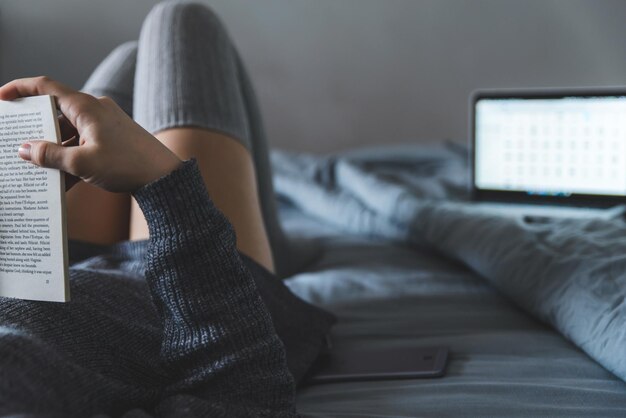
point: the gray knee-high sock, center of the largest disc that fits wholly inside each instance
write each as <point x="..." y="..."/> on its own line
<point x="115" y="76"/>
<point x="188" y="74"/>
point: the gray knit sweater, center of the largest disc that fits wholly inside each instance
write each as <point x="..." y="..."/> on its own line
<point x="176" y="326"/>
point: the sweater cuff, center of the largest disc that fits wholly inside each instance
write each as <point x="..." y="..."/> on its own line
<point x="175" y="202"/>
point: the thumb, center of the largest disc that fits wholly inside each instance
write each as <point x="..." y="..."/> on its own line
<point x="47" y="154"/>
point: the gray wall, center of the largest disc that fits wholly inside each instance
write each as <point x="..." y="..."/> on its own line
<point x="332" y="74"/>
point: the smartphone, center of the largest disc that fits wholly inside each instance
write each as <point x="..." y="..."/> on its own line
<point x="379" y="364"/>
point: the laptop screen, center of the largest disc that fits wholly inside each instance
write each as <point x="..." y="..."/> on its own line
<point x="551" y="146"/>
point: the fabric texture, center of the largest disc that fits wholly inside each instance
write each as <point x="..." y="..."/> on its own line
<point x="503" y="362"/>
<point x="182" y="324"/>
<point x="569" y="273"/>
<point x="302" y="327"/>
<point x="173" y="327"/>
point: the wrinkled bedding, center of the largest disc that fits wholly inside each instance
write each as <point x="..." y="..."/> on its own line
<point x="532" y="311"/>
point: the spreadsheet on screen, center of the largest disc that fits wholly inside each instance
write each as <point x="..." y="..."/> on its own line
<point x="551" y="146"/>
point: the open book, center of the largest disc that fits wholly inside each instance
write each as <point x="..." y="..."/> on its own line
<point x="33" y="245"/>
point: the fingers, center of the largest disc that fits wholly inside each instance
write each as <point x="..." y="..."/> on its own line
<point x="33" y="86"/>
<point x="50" y="155"/>
<point x="71" y="102"/>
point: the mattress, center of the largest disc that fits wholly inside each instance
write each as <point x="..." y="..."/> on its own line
<point x="503" y="361"/>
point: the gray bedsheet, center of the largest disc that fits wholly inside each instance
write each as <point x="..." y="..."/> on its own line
<point x="389" y="287"/>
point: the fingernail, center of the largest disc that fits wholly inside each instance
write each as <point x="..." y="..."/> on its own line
<point x="24" y="152"/>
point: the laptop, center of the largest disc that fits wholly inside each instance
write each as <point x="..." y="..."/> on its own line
<point x="557" y="152"/>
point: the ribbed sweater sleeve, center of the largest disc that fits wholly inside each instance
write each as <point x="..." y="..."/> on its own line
<point x="219" y="344"/>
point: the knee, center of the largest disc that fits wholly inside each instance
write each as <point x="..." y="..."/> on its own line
<point x="128" y="48"/>
<point x="183" y="15"/>
<point x="124" y="53"/>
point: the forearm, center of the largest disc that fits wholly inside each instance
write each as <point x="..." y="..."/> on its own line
<point x="219" y="341"/>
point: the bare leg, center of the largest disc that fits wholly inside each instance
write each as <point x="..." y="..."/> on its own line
<point x="228" y="172"/>
<point x="187" y="91"/>
<point x="97" y="216"/>
<point x="101" y="217"/>
<point x="228" y="168"/>
<point x="188" y="74"/>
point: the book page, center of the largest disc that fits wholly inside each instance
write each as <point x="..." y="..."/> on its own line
<point x="33" y="256"/>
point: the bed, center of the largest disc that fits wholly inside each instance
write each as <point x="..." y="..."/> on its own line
<point x="532" y="310"/>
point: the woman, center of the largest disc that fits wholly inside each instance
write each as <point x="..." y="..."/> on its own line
<point x="190" y="322"/>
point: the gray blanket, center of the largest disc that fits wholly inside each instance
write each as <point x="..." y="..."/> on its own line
<point x="568" y="273"/>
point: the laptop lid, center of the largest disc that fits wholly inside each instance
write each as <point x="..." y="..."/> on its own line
<point x="565" y="146"/>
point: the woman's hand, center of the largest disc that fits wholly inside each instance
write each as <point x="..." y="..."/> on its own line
<point x="106" y="148"/>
